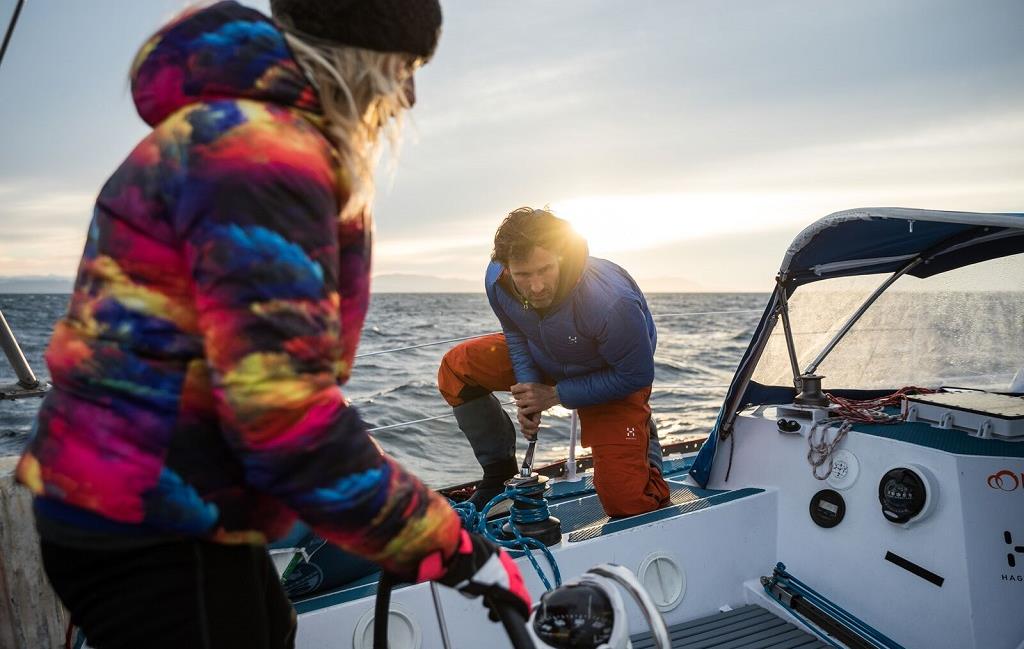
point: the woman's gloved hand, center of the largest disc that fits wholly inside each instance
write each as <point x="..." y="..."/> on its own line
<point x="479" y="568"/>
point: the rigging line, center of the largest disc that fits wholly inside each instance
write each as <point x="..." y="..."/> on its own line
<point x="696" y="313"/>
<point x="420" y="421"/>
<point x="436" y="342"/>
<point x="504" y="403"/>
<point x="491" y="333"/>
<point x="10" y="29"/>
<point x="689" y="387"/>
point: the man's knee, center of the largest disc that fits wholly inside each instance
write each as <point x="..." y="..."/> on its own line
<point x="450" y="380"/>
<point x="474" y="369"/>
<point x="454" y="380"/>
<point x="626" y="483"/>
<point x="618" y="502"/>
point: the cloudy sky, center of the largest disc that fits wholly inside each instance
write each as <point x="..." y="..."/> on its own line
<point x="688" y="139"/>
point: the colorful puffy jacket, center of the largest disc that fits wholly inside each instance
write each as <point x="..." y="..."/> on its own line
<point x="215" y="314"/>
<point x="597" y="343"/>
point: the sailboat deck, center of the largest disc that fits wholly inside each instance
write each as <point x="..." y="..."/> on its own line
<point x="576" y="505"/>
<point x="749" y="627"/>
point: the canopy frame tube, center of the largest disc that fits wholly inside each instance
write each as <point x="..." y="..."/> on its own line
<point x="852" y="320"/>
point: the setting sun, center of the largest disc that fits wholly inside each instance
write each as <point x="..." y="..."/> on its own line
<point x="616" y="223"/>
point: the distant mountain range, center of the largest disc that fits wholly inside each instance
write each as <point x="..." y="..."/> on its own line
<point x="410" y="283"/>
<point x="36" y="284"/>
<point x="384" y="283"/>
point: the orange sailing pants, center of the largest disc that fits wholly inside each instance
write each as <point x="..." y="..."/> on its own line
<point x="617" y="431"/>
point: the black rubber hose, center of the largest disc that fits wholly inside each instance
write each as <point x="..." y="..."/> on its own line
<point x="515" y="625"/>
<point x="381" y="610"/>
<point x="511" y="618"/>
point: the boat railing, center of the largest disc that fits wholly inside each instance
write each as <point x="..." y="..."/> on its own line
<point x="28" y="385"/>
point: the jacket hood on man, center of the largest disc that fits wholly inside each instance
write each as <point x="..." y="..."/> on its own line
<point x="225" y="51"/>
<point x="571" y="264"/>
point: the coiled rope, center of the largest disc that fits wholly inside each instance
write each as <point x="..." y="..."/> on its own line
<point x="847" y="413"/>
<point x="526" y="508"/>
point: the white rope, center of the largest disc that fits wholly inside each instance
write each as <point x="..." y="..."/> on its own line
<point x="409" y="423"/>
<point x="820" y="449"/>
<point x="420" y="421"/>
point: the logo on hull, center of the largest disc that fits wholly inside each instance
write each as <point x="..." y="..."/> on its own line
<point x="1005" y="480"/>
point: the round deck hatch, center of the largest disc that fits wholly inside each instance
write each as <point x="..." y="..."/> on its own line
<point x="663" y="579"/>
<point x="403" y="632"/>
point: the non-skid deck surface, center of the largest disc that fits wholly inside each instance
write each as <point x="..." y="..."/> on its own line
<point x="583" y="518"/>
<point x="576" y="505"/>
<point x="561" y="490"/>
<point x="950" y="441"/>
<point x="750" y="627"/>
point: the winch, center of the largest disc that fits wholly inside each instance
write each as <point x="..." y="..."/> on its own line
<point x="529" y="510"/>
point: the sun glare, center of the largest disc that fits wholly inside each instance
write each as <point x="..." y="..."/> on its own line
<point x="616" y="223"/>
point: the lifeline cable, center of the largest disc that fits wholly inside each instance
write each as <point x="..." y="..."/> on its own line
<point x="491" y="333"/>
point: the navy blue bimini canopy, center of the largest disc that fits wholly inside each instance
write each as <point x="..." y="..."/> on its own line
<point x="884" y="239"/>
<point x="865" y="242"/>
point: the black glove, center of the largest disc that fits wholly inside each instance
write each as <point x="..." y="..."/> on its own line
<point x="480" y="568"/>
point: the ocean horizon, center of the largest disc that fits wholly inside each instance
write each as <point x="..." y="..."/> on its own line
<point x="701" y="337"/>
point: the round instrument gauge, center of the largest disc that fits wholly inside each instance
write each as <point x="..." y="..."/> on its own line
<point x="902" y="494"/>
<point x="574" y="616"/>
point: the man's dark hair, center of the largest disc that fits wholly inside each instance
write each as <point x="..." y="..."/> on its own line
<point x="526" y="228"/>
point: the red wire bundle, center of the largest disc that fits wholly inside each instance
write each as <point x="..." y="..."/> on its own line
<point x="870" y="411"/>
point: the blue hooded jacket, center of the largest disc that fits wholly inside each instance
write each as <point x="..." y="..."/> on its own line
<point x="597" y="343"/>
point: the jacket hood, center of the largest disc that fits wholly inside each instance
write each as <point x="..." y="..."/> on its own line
<point x="224" y="51"/>
<point x="573" y="262"/>
<point x="574" y="258"/>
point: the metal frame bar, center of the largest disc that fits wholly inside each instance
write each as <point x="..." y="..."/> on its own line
<point x="860" y="312"/>
<point x="731" y="407"/>
<point x="788" y="331"/>
<point x="26" y="378"/>
<point x="10" y="29"/>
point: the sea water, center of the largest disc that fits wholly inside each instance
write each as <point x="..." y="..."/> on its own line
<point x="701" y="337"/>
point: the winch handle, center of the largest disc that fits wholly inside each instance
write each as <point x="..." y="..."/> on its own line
<point x="527" y="467"/>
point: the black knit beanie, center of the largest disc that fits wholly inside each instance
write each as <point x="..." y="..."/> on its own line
<point x="409" y="26"/>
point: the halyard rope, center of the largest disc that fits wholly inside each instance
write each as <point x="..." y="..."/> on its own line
<point x="847" y="412"/>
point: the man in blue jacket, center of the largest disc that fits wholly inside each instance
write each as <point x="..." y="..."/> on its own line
<point x="576" y="332"/>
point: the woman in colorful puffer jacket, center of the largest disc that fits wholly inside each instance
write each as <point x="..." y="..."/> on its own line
<point x="196" y="408"/>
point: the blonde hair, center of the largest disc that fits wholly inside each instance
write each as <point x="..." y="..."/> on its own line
<point x="363" y="94"/>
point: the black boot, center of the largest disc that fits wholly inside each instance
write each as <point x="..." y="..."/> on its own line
<point x="493" y="482"/>
<point x="493" y="437"/>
